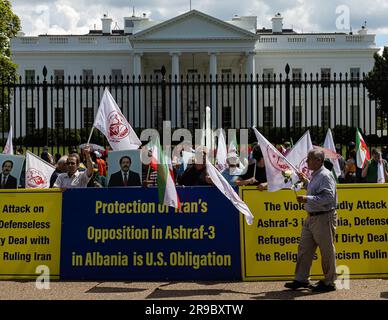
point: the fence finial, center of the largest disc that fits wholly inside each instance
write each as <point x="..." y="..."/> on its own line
<point x="44" y="71"/>
<point x="163" y="71"/>
<point x="287" y="69"/>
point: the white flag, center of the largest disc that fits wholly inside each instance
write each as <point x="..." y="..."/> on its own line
<point x="298" y="154"/>
<point x="329" y="144"/>
<point x="38" y="172"/>
<point x="280" y="172"/>
<point x="221" y="152"/>
<point x="227" y="190"/>
<point x="8" y="149"/>
<point x="112" y="123"/>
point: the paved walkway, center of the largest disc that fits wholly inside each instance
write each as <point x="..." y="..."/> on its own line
<point x="371" y="289"/>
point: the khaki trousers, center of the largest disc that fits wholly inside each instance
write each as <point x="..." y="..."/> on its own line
<point x="317" y="231"/>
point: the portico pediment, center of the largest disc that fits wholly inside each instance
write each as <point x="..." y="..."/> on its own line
<point x="194" y="25"/>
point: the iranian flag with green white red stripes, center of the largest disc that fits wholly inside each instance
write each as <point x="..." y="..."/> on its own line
<point x="362" y="150"/>
<point x="165" y="178"/>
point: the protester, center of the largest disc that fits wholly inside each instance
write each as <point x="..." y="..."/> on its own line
<point x="150" y="178"/>
<point x="255" y="174"/>
<point x="384" y="153"/>
<point x="57" y="156"/>
<point x="233" y="171"/>
<point x="97" y="180"/>
<point x="61" y="167"/>
<point x="72" y="149"/>
<point x="100" y="163"/>
<point x="371" y="168"/>
<point x="195" y="174"/>
<point x="47" y="156"/>
<point x="287" y="148"/>
<point x="149" y="174"/>
<point x="319" y="227"/>
<point x="350" y="168"/>
<point x="73" y="178"/>
<point x="350" y="148"/>
<point x="19" y="151"/>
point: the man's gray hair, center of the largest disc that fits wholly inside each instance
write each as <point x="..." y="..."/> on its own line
<point x="317" y="154"/>
<point x="62" y="159"/>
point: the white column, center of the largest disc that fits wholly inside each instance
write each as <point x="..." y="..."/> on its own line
<point x="251" y="92"/>
<point x="175" y="92"/>
<point x="212" y="73"/>
<point x="136" y="72"/>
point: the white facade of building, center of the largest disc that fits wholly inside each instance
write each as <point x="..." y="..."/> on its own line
<point x="196" y="43"/>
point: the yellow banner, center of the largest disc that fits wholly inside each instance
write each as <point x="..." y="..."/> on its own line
<point x="30" y="233"/>
<point x="269" y="245"/>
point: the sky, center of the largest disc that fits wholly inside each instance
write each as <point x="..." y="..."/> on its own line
<point x="79" y="16"/>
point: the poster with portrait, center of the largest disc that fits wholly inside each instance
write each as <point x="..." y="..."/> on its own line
<point x="11" y="167"/>
<point x="124" y="168"/>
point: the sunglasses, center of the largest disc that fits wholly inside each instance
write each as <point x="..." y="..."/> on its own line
<point x="71" y="163"/>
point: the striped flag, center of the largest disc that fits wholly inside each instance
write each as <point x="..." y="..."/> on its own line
<point x="165" y="179"/>
<point x="363" y="154"/>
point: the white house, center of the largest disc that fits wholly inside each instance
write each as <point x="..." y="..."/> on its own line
<point x="196" y="43"/>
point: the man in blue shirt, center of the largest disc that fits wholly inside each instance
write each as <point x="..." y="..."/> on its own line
<point x="319" y="227"/>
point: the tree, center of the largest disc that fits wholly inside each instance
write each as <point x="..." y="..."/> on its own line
<point x="377" y="81"/>
<point x="9" y="27"/>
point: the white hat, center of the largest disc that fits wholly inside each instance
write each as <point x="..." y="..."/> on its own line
<point x="98" y="155"/>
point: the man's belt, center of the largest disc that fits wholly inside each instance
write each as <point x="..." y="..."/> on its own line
<point x="317" y="213"/>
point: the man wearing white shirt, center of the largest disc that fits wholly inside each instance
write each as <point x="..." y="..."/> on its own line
<point x="73" y="178"/>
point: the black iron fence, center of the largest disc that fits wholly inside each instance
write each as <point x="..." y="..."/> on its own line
<point x="59" y="112"/>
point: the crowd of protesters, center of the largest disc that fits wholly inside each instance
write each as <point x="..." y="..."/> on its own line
<point x="237" y="174"/>
<point x="89" y="168"/>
